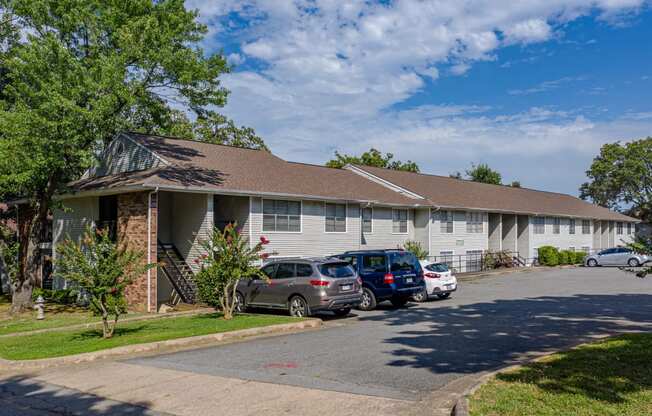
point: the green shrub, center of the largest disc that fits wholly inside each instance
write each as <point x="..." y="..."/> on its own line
<point x="548" y="256"/>
<point x="579" y="257"/>
<point x="415" y="248"/>
<point x="566" y="257"/>
<point x="58" y="296"/>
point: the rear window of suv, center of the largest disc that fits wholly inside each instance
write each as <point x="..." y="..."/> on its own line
<point x="337" y="270"/>
<point x="403" y="262"/>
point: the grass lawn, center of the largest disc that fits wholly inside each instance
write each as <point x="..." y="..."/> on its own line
<point x="610" y="377"/>
<point x="55" y="316"/>
<point x="60" y="343"/>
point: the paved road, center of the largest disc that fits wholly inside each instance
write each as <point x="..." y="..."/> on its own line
<point x="406" y="353"/>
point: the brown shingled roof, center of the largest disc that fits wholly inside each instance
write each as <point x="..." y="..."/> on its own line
<point x="448" y="192"/>
<point x="193" y="164"/>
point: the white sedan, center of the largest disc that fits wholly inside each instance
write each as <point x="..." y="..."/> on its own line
<point x="440" y="282"/>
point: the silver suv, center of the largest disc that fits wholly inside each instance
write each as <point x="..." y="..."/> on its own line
<point x="302" y="287"/>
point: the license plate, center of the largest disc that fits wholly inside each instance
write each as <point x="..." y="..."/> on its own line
<point x="344" y="288"/>
<point x="409" y="280"/>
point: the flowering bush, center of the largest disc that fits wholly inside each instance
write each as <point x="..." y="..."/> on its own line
<point x="227" y="260"/>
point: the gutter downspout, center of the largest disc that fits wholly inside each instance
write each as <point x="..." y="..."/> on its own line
<point x="149" y="248"/>
<point x="430" y="220"/>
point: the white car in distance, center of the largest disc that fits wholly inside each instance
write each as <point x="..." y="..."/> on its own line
<point x="440" y="281"/>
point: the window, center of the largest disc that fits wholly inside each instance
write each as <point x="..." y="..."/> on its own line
<point x="403" y="261"/>
<point x="586" y="227"/>
<point x="619" y="228"/>
<point x="352" y="260"/>
<point x="629" y="228"/>
<point x="304" y="270"/>
<point x="400" y="221"/>
<point x="367" y="220"/>
<point x="269" y="270"/>
<point x="279" y="215"/>
<point x="473" y="260"/>
<point x="539" y="225"/>
<point x="446" y="221"/>
<point x="336" y="270"/>
<point x="374" y="263"/>
<point x="571" y="226"/>
<point x="284" y="271"/>
<point x="446" y="257"/>
<point x="474" y="222"/>
<point x="335" y="218"/>
<point x="556" y="223"/>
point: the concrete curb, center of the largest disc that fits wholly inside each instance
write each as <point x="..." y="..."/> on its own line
<point x="159" y="346"/>
<point x="99" y="323"/>
<point x="502" y="272"/>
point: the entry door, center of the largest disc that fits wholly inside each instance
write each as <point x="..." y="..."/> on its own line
<point x="279" y="286"/>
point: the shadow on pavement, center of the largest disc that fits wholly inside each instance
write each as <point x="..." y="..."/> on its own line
<point x="21" y="395"/>
<point x="486" y="336"/>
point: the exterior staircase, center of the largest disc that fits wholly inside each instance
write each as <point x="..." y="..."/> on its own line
<point x="178" y="272"/>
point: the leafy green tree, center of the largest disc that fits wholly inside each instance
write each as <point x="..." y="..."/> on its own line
<point x="83" y="71"/>
<point x="483" y="173"/>
<point x="642" y="245"/>
<point x="416" y="248"/>
<point x="227" y="260"/>
<point x="103" y="269"/>
<point x="620" y="176"/>
<point x="374" y="158"/>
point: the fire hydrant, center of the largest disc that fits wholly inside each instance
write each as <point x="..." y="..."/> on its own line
<point x="40" y="307"/>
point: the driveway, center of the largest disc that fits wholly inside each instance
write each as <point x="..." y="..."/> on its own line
<point x="407" y="353"/>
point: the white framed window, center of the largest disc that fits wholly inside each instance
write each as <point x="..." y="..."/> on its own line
<point x="368" y="220"/>
<point x="335" y="218"/>
<point x="629" y="228"/>
<point x="446" y="256"/>
<point x="619" y="228"/>
<point x="539" y="225"/>
<point x="586" y="227"/>
<point x="446" y="222"/>
<point x="474" y="222"/>
<point x="556" y="225"/>
<point x="571" y="226"/>
<point x="281" y="216"/>
<point x="399" y="221"/>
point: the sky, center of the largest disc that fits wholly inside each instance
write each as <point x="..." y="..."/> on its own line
<point x="531" y="87"/>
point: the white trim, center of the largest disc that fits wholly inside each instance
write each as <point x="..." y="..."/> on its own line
<point x="262" y="217"/>
<point x="383" y="182"/>
<point x="346" y="218"/>
<point x="429" y="231"/>
<point x="250" y="222"/>
<point x="407" y="210"/>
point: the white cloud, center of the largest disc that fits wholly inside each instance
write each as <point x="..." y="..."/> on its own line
<point x="546" y="86"/>
<point x="531" y="30"/>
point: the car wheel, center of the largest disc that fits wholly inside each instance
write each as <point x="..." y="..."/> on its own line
<point x="444" y="295"/>
<point x="368" y="301"/>
<point x="298" y="307"/>
<point x="240" y="305"/>
<point x="399" y="302"/>
<point x="592" y="263"/>
<point x="420" y="296"/>
<point x="342" y="312"/>
<point x="633" y="263"/>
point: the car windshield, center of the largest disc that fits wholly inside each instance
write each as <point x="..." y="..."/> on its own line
<point x="437" y="267"/>
<point x="336" y="270"/>
<point x="403" y="262"/>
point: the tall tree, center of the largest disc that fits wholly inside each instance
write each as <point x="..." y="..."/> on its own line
<point x="74" y="73"/>
<point x="483" y="173"/>
<point x="373" y="157"/>
<point x="621" y="177"/>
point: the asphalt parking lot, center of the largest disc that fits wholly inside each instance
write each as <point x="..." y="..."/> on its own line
<point x="407" y="353"/>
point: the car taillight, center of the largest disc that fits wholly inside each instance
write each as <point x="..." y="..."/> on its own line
<point x="432" y="275"/>
<point x="319" y="283"/>
<point x="389" y="278"/>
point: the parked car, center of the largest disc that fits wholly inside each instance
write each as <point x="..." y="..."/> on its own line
<point x="393" y="275"/>
<point x="618" y="256"/>
<point x="303" y="287"/>
<point x="440" y="282"/>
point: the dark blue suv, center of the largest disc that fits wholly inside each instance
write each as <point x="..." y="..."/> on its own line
<point x="393" y="275"/>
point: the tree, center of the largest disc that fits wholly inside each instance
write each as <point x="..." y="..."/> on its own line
<point x="642" y="245"/>
<point x="73" y="74"/>
<point x="415" y="248"/>
<point x="621" y="175"/>
<point x="227" y="260"/>
<point x="483" y="173"/>
<point x="374" y="158"/>
<point x="103" y="269"/>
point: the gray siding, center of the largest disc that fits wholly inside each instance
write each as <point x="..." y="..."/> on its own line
<point x="124" y="155"/>
<point x="421" y="227"/>
<point x="459" y="241"/>
<point x="382" y="236"/>
<point x="192" y="221"/>
<point x="509" y="232"/>
<point x="495" y="232"/>
<point x="228" y="209"/>
<point x="523" y="236"/>
<point x="564" y="240"/>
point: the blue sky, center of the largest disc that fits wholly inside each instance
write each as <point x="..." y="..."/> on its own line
<point x="533" y="88"/>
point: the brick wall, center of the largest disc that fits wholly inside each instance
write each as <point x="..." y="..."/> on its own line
<point x="132" y="230"/>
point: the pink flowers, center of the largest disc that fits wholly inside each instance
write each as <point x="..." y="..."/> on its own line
<point x="196" y="261"/>
<point x="264" y="240"/>
<point x="264" y="256"/>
